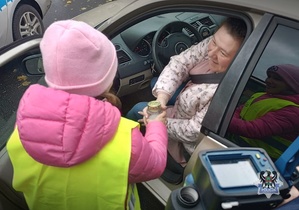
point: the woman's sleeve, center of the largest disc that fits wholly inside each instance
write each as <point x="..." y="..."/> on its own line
<point x="149" y="152"/>
<point x="273" y="123"/>
<point x="186" y="130"/>
<point x="178" y="68"/>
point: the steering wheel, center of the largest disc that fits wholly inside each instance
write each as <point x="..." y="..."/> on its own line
<point x="172" y="39"/>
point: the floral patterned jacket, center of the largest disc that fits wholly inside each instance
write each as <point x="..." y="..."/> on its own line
<point x="185" y="118"/>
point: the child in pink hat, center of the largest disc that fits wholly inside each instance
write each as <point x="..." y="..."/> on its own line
<point x="70" y="150"/>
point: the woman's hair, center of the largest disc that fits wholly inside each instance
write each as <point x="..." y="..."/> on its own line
<point x="235" y="27"/>
<point x="111" y="98"/>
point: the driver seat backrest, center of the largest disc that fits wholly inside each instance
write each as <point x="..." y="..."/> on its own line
<point x="10" y="199"/>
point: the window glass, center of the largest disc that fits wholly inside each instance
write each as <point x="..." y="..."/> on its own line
<point x="13" y="83"/>
<point x="268" y="110"/>
<point x="283" y="47"/>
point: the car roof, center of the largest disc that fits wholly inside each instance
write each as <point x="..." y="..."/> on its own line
<point x="286" y="8"/>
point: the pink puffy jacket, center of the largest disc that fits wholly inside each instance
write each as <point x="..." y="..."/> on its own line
<point x="62" y="129"/>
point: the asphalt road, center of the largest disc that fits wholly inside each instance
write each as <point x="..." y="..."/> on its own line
<point x="67" y="9"/>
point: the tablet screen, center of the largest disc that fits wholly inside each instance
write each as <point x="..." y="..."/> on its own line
<point x="234" y="173"/>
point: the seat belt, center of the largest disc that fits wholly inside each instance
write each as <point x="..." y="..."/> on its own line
<point x="206" y="78"/>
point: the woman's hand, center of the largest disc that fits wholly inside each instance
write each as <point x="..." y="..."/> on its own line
<point x="163" y="98"/>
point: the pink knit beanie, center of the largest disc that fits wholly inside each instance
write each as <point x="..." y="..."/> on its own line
<point x="78" y="58"/>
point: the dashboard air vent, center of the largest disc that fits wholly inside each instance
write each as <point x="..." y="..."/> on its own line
<point x="195" y="24"/>
<point x="188" y="31"/>
<point x="206" y="21"/>
<point x="122" y="57"/>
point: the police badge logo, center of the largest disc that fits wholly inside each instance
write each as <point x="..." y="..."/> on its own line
<point x="268" y="183"/>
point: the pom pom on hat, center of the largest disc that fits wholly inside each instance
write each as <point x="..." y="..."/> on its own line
<point x="289" y="73"/>
<point x="78" y="58"/>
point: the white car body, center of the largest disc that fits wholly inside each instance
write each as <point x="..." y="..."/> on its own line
<point x="7" y="11"/>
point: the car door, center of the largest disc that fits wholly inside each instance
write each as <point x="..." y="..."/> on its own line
<point x="13" y="83"/>
<point x="272" y="42"/>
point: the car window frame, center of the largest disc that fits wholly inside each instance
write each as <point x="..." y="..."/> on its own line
<point x="217" y="120"/>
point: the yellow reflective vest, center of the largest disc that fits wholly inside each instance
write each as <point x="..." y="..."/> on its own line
<point x="98" y="183"/>
<point x="274" y="145"/>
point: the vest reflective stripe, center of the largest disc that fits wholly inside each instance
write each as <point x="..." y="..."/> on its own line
<point x="98" y="183"/>
<point x="274" y="145"/>
<point x="133" y="204"/>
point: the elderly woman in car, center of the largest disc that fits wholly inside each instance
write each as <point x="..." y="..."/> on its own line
<point x="212" y="56"/>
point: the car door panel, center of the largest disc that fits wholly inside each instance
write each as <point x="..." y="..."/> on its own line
<point x="273" y="44"/>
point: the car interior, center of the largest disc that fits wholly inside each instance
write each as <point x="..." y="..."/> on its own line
<point x="143" y="50"/>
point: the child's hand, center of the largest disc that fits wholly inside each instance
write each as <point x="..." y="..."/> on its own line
<point x="161" y="117"/>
